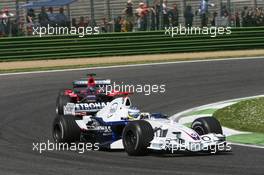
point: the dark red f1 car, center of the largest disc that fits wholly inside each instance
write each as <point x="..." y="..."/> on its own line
<point x="87" y="96"/>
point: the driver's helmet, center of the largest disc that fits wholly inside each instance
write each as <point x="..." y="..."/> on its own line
<point x="133" y="113"/>
<point x="91" y="90"/>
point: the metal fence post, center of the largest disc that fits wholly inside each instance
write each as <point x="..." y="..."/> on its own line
<point x="161" y="15"/>
<point x="17" y="17"/>
<point x="108" y="10"/>
<point x="108" y="13"/>
<point x="228" y="6"/>
<point x="220" y="8"/>
<point x="183" y="7"/>
<point x="255" y="4"/>
<point x="17" y="11"/>
<point x="148" y="17"/>
<point x="92" y="13"/>
<point x="68" y="12"/>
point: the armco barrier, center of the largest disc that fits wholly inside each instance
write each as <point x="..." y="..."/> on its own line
<point x="112" y="44"/>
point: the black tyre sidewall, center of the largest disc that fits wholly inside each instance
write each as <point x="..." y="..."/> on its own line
<point x="62" y="100"/>
<point x="71" y="131"/>
<point x="144" y="134"/>
<point x="136" y="131"/>
<point x="208" y="124"/>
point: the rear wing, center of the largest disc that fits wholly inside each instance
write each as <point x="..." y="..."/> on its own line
<point x="84" y="83"/>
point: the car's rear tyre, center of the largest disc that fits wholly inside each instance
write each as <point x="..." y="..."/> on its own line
<point x="62" y="100"/>
<point x="136" y="137"/>
<point x="65" y="129"/>
<point x="206" y="125"/>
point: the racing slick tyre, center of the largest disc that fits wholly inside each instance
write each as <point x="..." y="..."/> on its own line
<point x="62" y="100"/>
<point x="206" y="125"/>
<point x="65" y="129"/>
<point x="136" y="137"/>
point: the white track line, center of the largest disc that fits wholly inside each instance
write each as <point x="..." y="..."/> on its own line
<point x="177" y="116"/>
<point x="132" y="65"/>
<point x="247" y="145"/>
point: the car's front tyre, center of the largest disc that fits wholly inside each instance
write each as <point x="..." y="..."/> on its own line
<point x="65" y="129"/>
<point x="136" y="137"/>
<point x="62" y="100"/>
<point x="206" y="125"/>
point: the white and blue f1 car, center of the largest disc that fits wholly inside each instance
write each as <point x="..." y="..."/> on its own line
<point x="120" y="126"/>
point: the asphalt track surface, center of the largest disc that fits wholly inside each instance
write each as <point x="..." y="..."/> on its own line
<point x="28" y="108"/>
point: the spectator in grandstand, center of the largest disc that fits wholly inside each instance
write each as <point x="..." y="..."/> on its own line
<point x="225" y="20"/>
<point x="31" y="17"/>
<point x="129" y="15"/>
<point x="262" y="16"/>
<point x="104" y="25"/>
<point x="74" y="23"/>
<point x="251" y="18"/>
<point x="237" y="20"/>
<point x="92" y="23"/>
<point x="124" y="25"/>
<point x="82" y="23"/>
<point x="61" y="18"/>
<point x="188" y="15"/>
<point x="157" y="9"/>
<point x="52" y="17"/>
<point x="43" y="17"/>
<point x="7" y="26"/>
<point x="6" y="20"/>
<point x="174" y="15"/>
<point x="14" y="28"/>
<point x="214" y="18"/>
<point x="141" y="13"/>
<point x="165" y="13"/>
<point x="224" y="10"/>
<point x="244" y="16"/>
<point x="89" y="21"/>
<point x="204" y="11"/>
<point x="152" y="13"/>
<point x="2" y="29"/>
<point x="259" y="17"/>
<point x="118" y="24"/>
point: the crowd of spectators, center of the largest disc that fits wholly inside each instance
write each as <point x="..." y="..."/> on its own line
<point x="252" y="17"/>
<point x="248" y="17"/>
<point x="160" y="15"/>
<point x="60" y="19"/>
<point x="45" y="18"/>
<point x="146" y="17"/>
<point x="10" y="26"/>
<point x="141" y="17"/>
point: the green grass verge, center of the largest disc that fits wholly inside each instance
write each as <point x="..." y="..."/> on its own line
<point x="99" y="65"/>
<point x="105" y="64"/>
<point x="113" y="44"/>
<point x="247" y="115"/>
<point x="189" y="125"/>
<point x="253" y="138"/>
<point x="81" y="66"/>
<point x="204" y="111"/>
